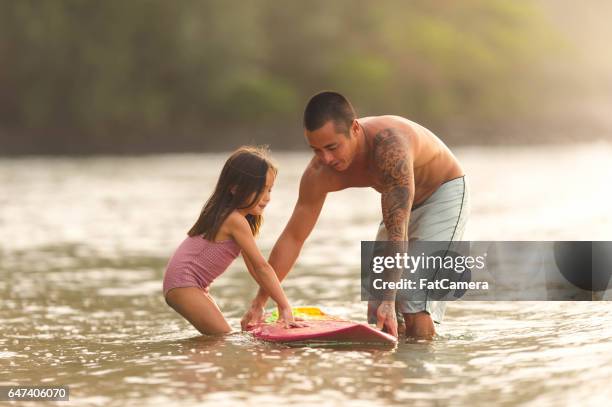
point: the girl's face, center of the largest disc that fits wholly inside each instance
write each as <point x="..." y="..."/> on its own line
<point x="259" y="206"/>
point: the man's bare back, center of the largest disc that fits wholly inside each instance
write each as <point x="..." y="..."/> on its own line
<point x="432" y="161"/>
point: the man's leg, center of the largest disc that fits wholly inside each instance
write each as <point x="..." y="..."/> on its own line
<point x="415" y="317"/>
<point x="442" y="217"/>
<point x="419" y="325"/>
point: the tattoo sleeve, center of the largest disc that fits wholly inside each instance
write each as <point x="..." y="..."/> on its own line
<point x="392" y="157"/>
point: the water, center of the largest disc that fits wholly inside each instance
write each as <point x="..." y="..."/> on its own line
<point x="84" y="243"/>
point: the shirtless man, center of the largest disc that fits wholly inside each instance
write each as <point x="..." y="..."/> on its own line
<point x="422" y="187"/>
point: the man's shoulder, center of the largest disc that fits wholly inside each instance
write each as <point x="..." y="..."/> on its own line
<point x="392" y="155"/>
<point x="387" y="120"/>
<point x="318" y="177"/>
<point x="390" y="140"/>
<point x="315" y="170"/>
<point x="389" y="129"/>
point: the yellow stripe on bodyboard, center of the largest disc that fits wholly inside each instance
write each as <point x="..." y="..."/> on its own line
<point x="305" y="313"/>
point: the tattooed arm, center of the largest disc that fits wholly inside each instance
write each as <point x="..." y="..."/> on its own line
<point x="394" y="163"/>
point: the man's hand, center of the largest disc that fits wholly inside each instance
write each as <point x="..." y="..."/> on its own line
<point x="385" y="316"/>
<point x="253" y="316"/>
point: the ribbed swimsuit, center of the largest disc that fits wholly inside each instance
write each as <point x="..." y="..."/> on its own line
<point x="197" y="262"/>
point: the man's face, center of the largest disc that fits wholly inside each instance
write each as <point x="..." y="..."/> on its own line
<point x="331" y="147"/>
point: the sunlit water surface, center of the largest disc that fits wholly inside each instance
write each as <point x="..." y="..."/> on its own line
<point x="84" y="243"/>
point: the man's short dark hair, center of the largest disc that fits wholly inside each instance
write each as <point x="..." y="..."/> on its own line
<point x="325" y="106"/>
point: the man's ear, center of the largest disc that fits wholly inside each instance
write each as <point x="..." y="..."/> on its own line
<point x="355" y="127"/>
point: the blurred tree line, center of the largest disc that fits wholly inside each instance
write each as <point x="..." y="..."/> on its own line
<point x="192" y="75"/>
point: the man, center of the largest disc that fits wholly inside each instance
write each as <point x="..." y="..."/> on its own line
<point x="422" y="187"/>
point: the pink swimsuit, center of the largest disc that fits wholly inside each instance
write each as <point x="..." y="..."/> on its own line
<point x="197" y="262"/>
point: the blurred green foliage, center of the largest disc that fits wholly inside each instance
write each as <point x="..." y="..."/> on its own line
<point x="155" y="75"/>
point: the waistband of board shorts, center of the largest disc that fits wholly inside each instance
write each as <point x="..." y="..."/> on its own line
<point x="461" y="178"/>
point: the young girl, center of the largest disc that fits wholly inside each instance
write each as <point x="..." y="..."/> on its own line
<point x="227" y="225"/>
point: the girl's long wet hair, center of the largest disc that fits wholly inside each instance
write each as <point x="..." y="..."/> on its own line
<point x="240" y="185"/>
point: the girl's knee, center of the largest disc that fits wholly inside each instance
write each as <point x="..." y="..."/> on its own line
<point x="212" y="326"/>
<point x="215" y="331"/>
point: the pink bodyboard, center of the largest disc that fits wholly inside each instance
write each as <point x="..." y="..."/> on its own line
<point x="322" y="328"/>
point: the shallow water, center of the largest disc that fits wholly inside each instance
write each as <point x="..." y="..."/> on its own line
<point x="84" y="243"/>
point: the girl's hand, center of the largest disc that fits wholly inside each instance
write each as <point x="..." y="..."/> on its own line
<point x="252" y="317"/>
<point x="286" y="318"/>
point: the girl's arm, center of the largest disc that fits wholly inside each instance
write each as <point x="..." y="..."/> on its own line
<point x="257" y="265"/>
<point x="260" y="310"/>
